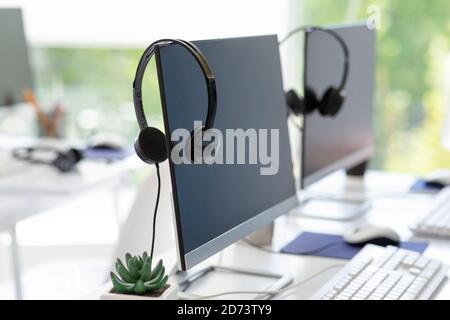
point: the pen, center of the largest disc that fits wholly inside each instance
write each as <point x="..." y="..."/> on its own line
<point x="42" y="119"/>
<point x="57" y="113"/>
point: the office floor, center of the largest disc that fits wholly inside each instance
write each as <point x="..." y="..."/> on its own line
<point x="63" y="253"/>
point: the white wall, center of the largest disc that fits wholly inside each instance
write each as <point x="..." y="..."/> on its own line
<point x="138" y="22"/>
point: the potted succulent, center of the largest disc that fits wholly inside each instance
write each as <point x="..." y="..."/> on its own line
<point x="137" y="280"/>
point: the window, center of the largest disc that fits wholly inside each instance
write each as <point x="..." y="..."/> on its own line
<point x="75" y="63"/>
<point x="95" y="86"/>
<point x="86" y="57"/>
<point x="412" y="69"/>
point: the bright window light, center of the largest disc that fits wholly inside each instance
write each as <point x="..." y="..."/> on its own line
<point x="137" y="22"/>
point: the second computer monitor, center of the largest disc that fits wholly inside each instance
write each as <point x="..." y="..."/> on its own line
<point x="15" y="70"/>
<point x="346" y="140"/>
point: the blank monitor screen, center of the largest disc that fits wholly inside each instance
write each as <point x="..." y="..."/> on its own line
<point x="346" y="140"/>
<point x="15" y="71"/>
<point x="216" y="205"/>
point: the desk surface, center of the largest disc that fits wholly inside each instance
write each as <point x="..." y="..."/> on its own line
<point x="37" y="178"/>
<point x="392" y="206"/>
<point x="33" y="178"/>
<point x="33" y="188"/>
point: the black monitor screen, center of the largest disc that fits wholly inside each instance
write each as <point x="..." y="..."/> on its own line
<point x="216" y="205"/>
<point x="346" y="140"/>
<point x="15" y="71"/>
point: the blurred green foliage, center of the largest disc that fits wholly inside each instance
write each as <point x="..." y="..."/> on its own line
<point x="413" y="51"/>
<point x="95" y="84"/>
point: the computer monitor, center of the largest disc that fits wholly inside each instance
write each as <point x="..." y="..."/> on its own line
<point x="346" y="140"/>
<point x="15" y="70"/>
<point x="216" y="205"/>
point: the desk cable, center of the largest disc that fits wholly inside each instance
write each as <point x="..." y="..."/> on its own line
<point x="272" y="293"/>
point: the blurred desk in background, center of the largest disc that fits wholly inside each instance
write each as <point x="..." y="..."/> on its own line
<point x="28" y="189"/>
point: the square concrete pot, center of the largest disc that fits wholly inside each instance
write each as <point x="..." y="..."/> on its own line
<point x="168" y="292"/>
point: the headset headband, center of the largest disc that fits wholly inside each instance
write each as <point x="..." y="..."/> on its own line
<point x="201" y="60"/>
<point x="337" y="37"/>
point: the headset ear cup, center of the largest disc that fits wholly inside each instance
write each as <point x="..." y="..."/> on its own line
<point x="150" y="146"/>
<point x="63" y="162"/>
<point x="324" y="103"/>
<point x="66" y="161"/>
<point x="311" y="101"/>
<point x="331" y="103"/>
<point x="76" y="154"/>
<point x="295" y="103"/>
<point x="339" y="102"/>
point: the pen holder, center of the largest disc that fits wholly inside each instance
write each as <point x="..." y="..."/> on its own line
<point x="51" y="125"/>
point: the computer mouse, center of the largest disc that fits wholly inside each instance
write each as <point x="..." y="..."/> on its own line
<point x="439" y="177"/>
<point x="372" y="235"/>
<point x="107" y="141"/>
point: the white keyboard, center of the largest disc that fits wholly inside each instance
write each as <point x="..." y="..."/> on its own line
<point x="378" y="273"/>
<point x="437" y="221"/>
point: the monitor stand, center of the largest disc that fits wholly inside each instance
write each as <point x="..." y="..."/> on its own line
<point x="188" y="279"/>
<point x="238" y="279"/>
<point x="329" y="208"/>
<point x="358" y="170"/>
<point x="263" y="281"/>
<point x="336" y="208"/>
<point x="262" y="237"/>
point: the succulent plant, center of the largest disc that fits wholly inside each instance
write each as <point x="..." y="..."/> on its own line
<point x="138" y="277"/>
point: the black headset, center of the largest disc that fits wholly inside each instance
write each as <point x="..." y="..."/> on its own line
<point x="333" y="98"/>
<point x="150" y="144"/>
<point x="64" y="161"/>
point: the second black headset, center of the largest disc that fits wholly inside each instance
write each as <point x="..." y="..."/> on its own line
<point x="333" y="98"/>
<point x="150" y="145"/>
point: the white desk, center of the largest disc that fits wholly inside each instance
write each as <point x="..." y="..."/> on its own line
<point x="392" y="209"/>
<point x="37" y="188"/>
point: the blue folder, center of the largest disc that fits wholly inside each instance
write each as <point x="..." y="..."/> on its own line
<point x="334" y="246"/>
